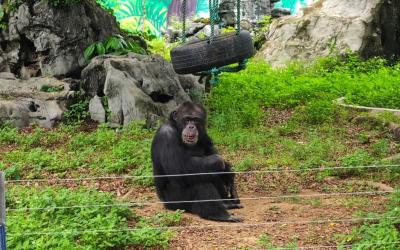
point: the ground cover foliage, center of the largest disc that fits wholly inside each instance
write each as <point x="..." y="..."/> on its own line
<point x="63" y="225"/>
<point x="260" y="118"/>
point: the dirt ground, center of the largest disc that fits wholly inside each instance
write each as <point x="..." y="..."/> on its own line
<point x="310" y="222"/>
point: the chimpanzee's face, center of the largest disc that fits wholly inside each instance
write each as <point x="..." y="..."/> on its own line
<point x="190" y="121"/>
<point x="190" y="132"/>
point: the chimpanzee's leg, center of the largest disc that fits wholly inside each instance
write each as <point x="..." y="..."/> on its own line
<point x="173" y="193"/>
<point x="230" y="188"/>
<point x="212" y="210"/>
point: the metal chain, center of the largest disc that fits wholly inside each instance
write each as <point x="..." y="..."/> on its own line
<point x="213" y="6"/>
<point x="184" y="20"/>
<point x="238" y="17"/>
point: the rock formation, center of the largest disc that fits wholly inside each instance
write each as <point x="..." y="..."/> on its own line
<point x="368" y="27"/>
<point x="47" y="40"/>
<point x="136" y="87"/>
<point x="40" y="101"/>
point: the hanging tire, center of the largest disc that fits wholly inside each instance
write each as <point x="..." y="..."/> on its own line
<point x="200" y="55"/>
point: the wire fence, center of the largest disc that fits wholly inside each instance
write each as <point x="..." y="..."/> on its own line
<point x="230" y="225"/>
<point x="139" y="203"/>
<point x="213" y="226"/>
<point x="276" y="170"/>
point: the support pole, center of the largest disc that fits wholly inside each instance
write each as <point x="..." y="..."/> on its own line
<point x="3" y="245"/>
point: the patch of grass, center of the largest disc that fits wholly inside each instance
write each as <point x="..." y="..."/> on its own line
<point x="353" y="202"/>
<point x="379" y="234"/>
<point x="246" y="165"/>
<point x="240" y="98"/>
<point x="264" y="241"/>
<point x="64" y="149"/>
<point x="71" y="222"/>
<point x="381" y="148"/>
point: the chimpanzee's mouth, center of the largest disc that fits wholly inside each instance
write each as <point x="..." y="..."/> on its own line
<point x="190" y="139"/>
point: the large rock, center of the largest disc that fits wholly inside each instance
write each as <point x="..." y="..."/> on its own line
<point x="40" y="101"/>
<point x="368" y="27"/>
<point x="54" y="38"/>
<point x="137" y="87"/>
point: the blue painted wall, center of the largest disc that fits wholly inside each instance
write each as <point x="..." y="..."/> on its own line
<point x="293" y="5"/>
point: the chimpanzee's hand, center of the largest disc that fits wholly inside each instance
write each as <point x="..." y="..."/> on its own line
<point x="219" y="163"/>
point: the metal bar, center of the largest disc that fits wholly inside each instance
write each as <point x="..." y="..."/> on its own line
<point x="3" y="245"/>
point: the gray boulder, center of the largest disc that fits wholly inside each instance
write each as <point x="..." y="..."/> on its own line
<point x="54" y="38"/>
<point x="40" y="101"/>
<point x="367" y="27"/>
<point x="137" y="87"/>
<point x="96" y="110"/>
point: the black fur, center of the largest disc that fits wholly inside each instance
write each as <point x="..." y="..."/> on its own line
<point x="171" y="156"/>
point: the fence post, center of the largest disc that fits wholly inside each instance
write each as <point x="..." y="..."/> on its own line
<point x="3" y="245"/>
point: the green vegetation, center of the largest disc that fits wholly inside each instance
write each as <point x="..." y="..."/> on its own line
<point x="261" y="30"/>
<point x="381" y="234"/>
<point x="75" y="228"/>
<point x="50" y="89"/>
<point x="160" y="47"/>
<point x="314" y="87"/>
<point x="102" y="151"/>
<point x="116" y="45"/>
<point x="264" y="242"/>
<point x="78" y="111"/>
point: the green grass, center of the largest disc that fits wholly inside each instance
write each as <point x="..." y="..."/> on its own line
<point x="66" y="149"/>
<point x="379" y="234"/>
<point x="72" y="222"/>
<point x="238" y="101"/>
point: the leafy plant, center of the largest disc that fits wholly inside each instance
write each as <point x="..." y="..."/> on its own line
<point x="380" y="234"/>
<point x="78" y="111"/>
<point x="70" y="228"/>
<point x="115" y="44"/>
<point x="159" y="46"/>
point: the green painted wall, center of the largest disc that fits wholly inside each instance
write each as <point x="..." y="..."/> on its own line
<point x="153" y="15"/>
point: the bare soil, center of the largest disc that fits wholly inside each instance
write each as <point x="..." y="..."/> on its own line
<point x="306" y="222"/>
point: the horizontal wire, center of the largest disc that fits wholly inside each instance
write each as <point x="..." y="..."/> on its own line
<point x="335" y="246"/>
<point x="197" y="174"/>
<point x="230" y="225"/>
<point x="130" y="204"/>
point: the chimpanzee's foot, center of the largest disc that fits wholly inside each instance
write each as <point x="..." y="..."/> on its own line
<point x="228" y="218"/>
<point x="232" y="206"/>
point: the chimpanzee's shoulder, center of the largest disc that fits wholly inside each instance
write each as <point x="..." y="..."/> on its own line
<point x="167" y="129"/>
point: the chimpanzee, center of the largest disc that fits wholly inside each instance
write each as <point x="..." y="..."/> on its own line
<point x="182" y="146"/>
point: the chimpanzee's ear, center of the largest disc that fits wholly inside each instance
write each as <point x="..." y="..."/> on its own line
<point x="173" y="116"/>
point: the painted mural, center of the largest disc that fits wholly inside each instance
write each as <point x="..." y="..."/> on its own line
<point x="153" y="16"/>
<point x="293" y="5"/>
